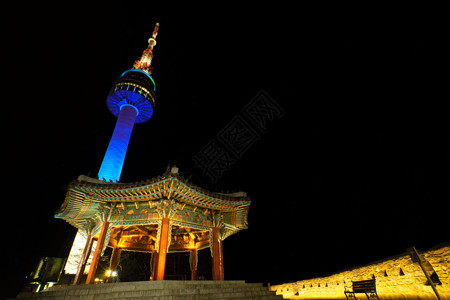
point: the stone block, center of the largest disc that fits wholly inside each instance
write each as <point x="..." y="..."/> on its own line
<point x="156" y="290"/>
<point x="409" y="283"/>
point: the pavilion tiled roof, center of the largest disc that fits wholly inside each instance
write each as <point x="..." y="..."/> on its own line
<point x="86" y="196"/>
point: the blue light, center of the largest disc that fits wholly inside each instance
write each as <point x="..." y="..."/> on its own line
<point x="112" y="164"/>
<point x="131" y="100"/>
<point x="137" y="111"/>
<point x="117" y="98"/>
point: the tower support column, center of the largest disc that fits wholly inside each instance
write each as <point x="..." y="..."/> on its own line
<point x="83" y="260"/>
<point x="163" y="246"/>
<point x="217" y="265"/>
<point x="98" y="251"/>
<point x="111" y="167"/>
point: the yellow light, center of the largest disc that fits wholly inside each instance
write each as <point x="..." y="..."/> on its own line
<point x="108" y="273"/>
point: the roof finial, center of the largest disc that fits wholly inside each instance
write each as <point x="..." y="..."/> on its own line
<point x="144" y="63"/>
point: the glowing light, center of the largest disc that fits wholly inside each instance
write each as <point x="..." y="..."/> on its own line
<point x="117" y="99"/>
<point x="112" y="164"/>
<point x="137" y="111"/>
<point x="131" y="100"/>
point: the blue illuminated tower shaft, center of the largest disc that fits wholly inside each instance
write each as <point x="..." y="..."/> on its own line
<point x="112" y="164"/>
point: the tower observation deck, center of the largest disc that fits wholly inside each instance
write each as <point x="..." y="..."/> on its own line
<point x="131" y="100"/>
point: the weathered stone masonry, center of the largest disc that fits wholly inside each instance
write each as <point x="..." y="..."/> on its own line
<point x="396" y="278"/>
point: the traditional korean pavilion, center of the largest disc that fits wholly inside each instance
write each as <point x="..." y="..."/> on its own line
<point x="157" y="216"/>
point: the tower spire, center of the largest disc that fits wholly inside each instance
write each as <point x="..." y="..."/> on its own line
<point x="144" y="63"/>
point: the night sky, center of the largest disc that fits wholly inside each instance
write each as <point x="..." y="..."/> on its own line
<point x="354" y="170"/>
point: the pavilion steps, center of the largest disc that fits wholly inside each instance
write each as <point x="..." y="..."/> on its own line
<point x="152" y="290"/>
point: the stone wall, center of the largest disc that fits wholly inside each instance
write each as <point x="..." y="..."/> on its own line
<point x="396" y="278"/>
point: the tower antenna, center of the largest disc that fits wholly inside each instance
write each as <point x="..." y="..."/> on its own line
<point x="145" y="62"/>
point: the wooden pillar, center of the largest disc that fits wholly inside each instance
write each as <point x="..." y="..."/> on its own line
<point x="222" y="273"/>
<point x="217" y="264"/>
<point x="193" y="254"/>
<point x="163" y="245"/>
<point x="83" y="260"/>
<point x="115" y="257"/>
<point x="98" y="251"/>
<point x="154" y="265"/>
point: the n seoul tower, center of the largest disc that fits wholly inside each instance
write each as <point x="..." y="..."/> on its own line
<point x="131" y="100"/>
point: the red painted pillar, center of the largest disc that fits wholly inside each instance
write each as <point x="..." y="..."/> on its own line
<point x="163" y="246"/>
<point x="115" y="257"/>
<point x="222" y="273"/>
<point x="217" y="256"/>
<point x="98" y="251"/>
<point x="193" y="263"/>
<point x="154" y="265"/>
<point x="83" y="260"/>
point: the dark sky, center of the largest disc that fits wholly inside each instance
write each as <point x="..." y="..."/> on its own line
<point x="355" y="170"/>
